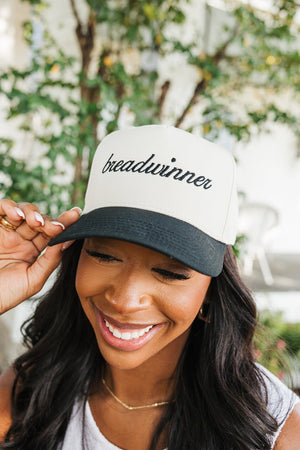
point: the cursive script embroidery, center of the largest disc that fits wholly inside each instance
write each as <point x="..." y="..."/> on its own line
<point x="151" y="167"/>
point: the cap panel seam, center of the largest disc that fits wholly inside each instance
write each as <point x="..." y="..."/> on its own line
<point x="232" y="191"/>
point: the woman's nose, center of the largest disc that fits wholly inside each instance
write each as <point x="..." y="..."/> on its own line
<point x="129" y="293"/>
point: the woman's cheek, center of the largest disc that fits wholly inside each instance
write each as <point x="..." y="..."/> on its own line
<point x="184" y="308"/>
<point x="87" y="277"/>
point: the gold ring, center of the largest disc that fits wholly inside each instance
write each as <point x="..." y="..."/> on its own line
<point x="7" y="225"/>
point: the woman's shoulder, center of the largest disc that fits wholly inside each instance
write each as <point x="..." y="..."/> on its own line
<point x="289" y="437"/>
<point x="284" y="405"/>
<point x="277" y="393"/>
<point x="6" y="383"/>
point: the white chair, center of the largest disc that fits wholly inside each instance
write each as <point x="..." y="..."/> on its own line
<point x="258" y="222"/>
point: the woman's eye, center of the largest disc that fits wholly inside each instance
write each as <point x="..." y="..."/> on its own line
<point x="101" y="256"/>
<point x="167" y="274"/>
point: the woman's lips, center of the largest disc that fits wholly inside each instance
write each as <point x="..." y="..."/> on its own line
<point x="126" y="337"/>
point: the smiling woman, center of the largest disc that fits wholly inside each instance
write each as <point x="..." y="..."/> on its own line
<point x="125" y="292"/>
<point x="145" y="340"/>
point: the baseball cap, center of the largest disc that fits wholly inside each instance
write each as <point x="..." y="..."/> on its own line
<point x="165" y="189"/>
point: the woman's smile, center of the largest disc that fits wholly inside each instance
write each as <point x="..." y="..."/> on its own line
<point x="138" y="301"/>
<point x="127" y="336"/>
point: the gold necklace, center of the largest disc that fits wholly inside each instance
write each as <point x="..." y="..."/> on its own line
<point x="131" y="408"/>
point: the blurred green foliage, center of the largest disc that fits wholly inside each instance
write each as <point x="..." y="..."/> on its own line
<point x="277" y="345"/>
<point x="66" y="104"/>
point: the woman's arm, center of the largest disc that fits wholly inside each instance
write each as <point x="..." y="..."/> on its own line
<point x="289" y="438"/>
<point x="6" y="384"/>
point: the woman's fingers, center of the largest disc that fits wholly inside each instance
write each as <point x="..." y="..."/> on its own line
<point x="18" y="212"/>
<point x="53" y="228"/>
<point x="39" y="272"/>
<point x="32" y="226"/>
<point x="71" y="216"/>
<point x="12" y="212"/>
<point x="24" y="216"/>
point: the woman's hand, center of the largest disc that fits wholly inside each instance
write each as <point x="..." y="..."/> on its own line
<point x="23" y="269"/>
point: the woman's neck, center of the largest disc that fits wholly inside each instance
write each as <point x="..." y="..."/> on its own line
<point x="150" y="382"/>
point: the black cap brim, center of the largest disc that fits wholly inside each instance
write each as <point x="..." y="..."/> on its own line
<point x="168" y="235"/>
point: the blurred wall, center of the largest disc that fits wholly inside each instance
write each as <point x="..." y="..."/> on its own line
<point x="269" y="172"/>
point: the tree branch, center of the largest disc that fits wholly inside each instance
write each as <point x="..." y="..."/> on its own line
<point x="201" y="85"/>
<point x="197" y="91"/>
<point x="85" y="38"/>
<point x="164" y="90"/>
<point x="74" y="10"/>
<point x="220" y="53"/>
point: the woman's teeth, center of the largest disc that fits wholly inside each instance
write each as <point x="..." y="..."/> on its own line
<point x="127" y="336"/>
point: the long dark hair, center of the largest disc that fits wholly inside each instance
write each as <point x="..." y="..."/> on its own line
<point x="219" y="401"/>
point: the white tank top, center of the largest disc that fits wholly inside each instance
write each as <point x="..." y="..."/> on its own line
<point x="281" y="402"/>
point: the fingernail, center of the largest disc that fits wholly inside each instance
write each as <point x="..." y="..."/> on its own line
<point x="54" y="222"/>
<point x="66" y="245"/>
<point x="19" y="212"/>
<point x="39" y="218"/>
<point x="77" y="209"/>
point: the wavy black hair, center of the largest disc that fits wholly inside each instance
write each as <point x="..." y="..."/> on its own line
<point x="219" y="401"/>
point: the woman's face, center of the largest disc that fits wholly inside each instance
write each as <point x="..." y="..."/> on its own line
<point x="140" y="303"/>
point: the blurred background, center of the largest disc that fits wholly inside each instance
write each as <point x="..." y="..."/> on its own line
<point x="73" y="71"/>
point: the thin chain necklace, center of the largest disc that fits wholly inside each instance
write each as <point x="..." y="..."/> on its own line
<point x="131" y="408"/>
